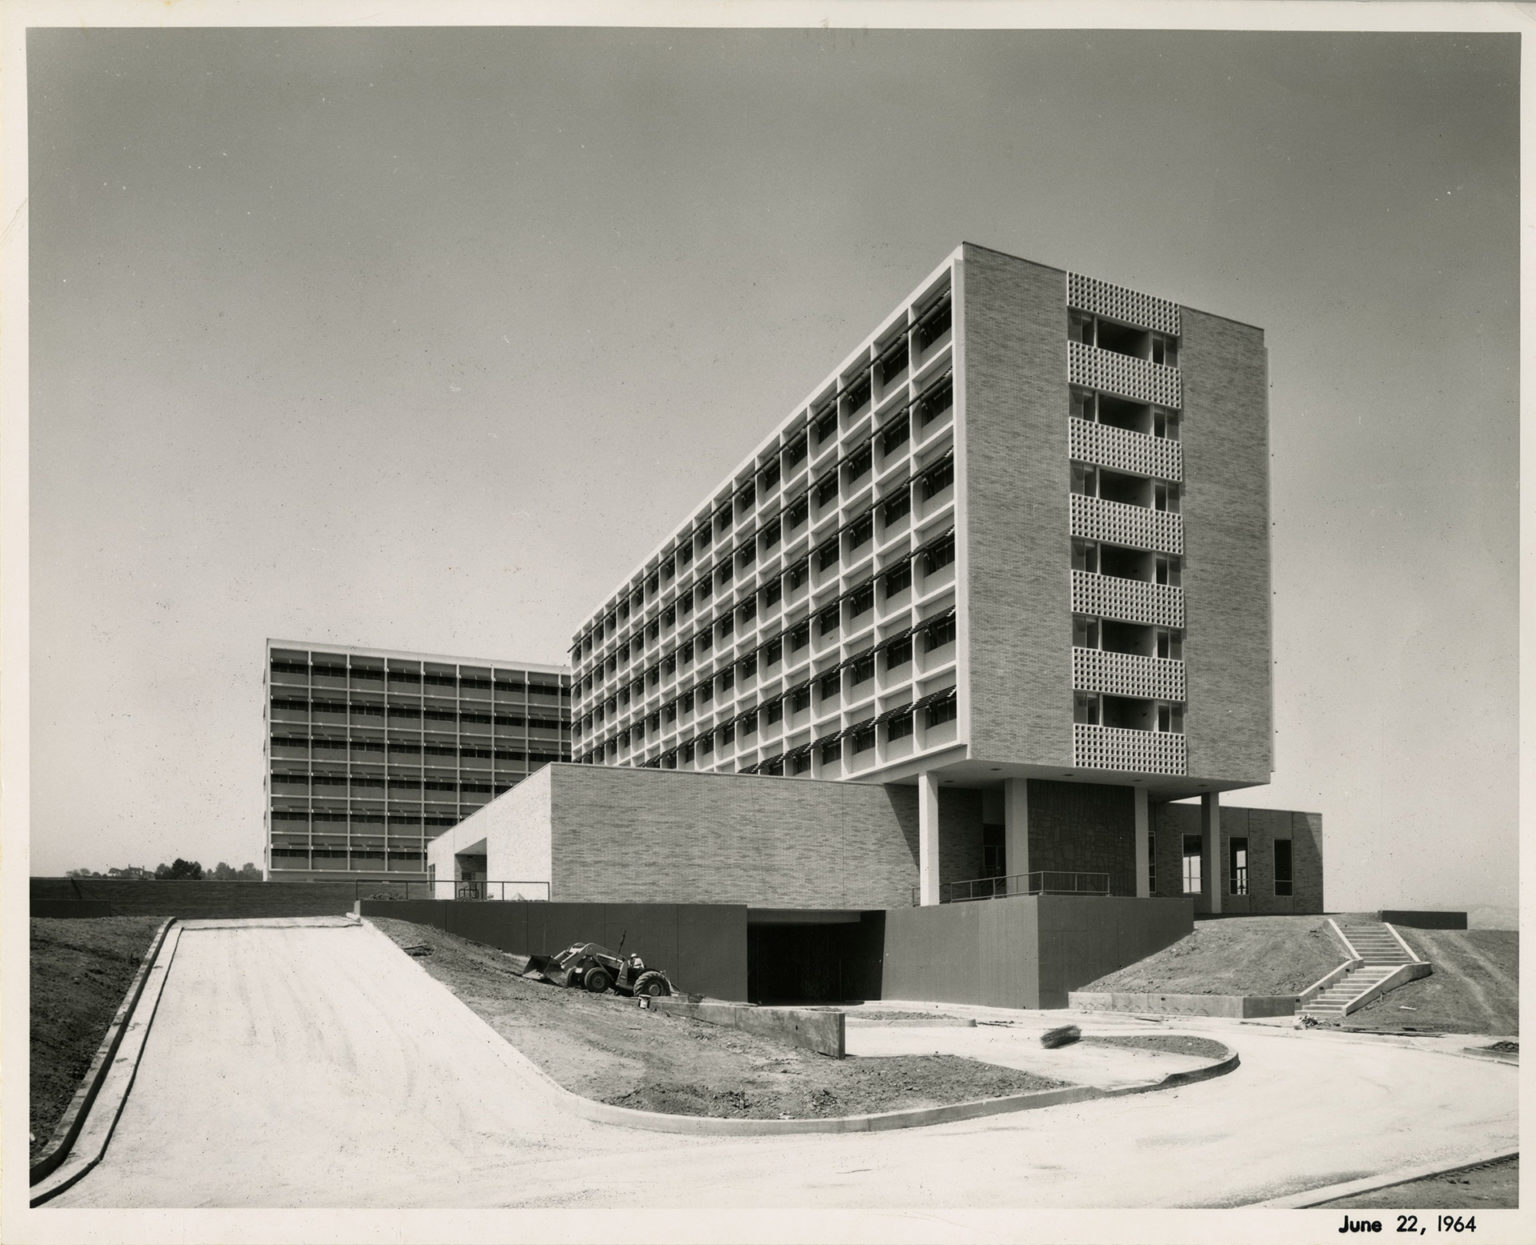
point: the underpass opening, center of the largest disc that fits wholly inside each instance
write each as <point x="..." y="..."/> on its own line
<point x="801" y="955"/>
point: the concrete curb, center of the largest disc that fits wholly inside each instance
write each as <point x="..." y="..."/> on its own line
<point x="1371" y="1184"/>
<point x="101" y="1106"/>
<point x="936" y="1022"/>
<point x="1220" y="1006"/>
<point x="708" y="1125"/>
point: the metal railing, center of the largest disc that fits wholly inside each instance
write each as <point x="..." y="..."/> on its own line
<point x="1041" y="882"/>
<point x="494" y="891"/>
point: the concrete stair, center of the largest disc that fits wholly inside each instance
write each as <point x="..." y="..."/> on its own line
<point x="1384" y="964"/>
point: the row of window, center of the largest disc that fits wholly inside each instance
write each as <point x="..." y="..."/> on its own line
<point x="369" y="782"/>
<point x="842" y="542"/>
<point x="938" y="708"/>
<point x="897" y="650"/>
<point x="851" y="400"/>
<point x="409" y="678"/>
<point x="341" y="853"/>
<point x="854" y="602"/>
<point x="1237" y="866"/>
<point x="406" y="753"/>
<point x="408" y="822"/>
<point x="405" y="713"/>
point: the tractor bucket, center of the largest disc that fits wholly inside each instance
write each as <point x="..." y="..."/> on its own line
<point x="540" y="966"/>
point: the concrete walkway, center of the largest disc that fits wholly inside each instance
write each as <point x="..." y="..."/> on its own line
<point x="319" y="1067"/>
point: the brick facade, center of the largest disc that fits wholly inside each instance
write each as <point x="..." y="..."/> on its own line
<point x="1261" y="827"/>
<point x="635" y="835"/>
<point x="1225" y="434"/>
<point x="1012" y="449"/>
<point x="1084" y="828"/>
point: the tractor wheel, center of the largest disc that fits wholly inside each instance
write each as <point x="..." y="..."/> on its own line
<point x="652" y="984"/>
<point x="597" y="980"/>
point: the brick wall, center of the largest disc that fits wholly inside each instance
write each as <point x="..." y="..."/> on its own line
<point x="644" y="835"/>
<point x="1016" y="557"/>
<point x="1261" y="827"/>
<point x="960" y="820"/>
<point x="1225" y="501"/>
<point x="1084" y="828"/>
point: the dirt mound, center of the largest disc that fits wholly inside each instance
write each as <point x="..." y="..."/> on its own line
<point x="1258" y="955"/>
<point x="1475" y="987"/>
<point x="81" y="971"/>
<point x="606" y="1048"/>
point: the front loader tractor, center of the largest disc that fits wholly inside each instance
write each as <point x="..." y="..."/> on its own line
<point x="598" y="969"/>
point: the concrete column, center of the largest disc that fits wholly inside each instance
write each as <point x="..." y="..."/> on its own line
<point x="927" y="839"/>
<point x="1210" y="832"/>
<point x="1143" y="822"/>
<point x="1016" y="833"/>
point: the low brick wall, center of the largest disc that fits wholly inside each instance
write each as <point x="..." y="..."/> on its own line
<point x="824" y="1032"/>
<point x="1236" y="1006"/>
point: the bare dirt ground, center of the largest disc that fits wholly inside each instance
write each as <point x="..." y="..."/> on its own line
<point x="81" y="971"/>
<point x="606" y="1048"/>
<point x="1487" y="1187"/>
<point x="1260" y="955"/>
<point x="1168" y="1043"/>
<point x="1475" y="987"/>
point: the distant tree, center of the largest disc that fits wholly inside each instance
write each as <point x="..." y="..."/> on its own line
<point x="249" y="872"/>
<point x="179" y="869"/>
<point x="81" y="873"/>
<point x="223" y="872"/>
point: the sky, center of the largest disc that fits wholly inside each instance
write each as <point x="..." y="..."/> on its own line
<point x="424" y="338"/>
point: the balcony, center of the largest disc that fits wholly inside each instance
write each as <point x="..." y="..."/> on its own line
<point x="1127" y="600"/>
<point x="1137" y="527"/>
<point x="1127" y="674"/>
<point x="1123" y="375"/>
<point x="1123" y="450"/>
<point x="1127" y="751"/>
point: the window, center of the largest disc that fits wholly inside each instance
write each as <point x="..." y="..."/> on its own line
<point x="1170" y="718"/>
<point x="748" y="665"/>
<point x="773" y="651"/>
<point x="857" y="393"/>
<point x="800" y="762"/>
<point x="943" y="711"/>
<point x="1085" y="632"/>
<point x="1085" y="480"/>
<point x="1151" y="864"/>
<point x="898" y="653"/>
<point x="940" y="554"/>
<point x="800" y="636"/>
<point x="1165" y="350"/>
<point x="795" y="452"/>
<point x="832" y="752"/>
<point x="895" y="508"/>
<point x="826" y="488"/>
<point x="857" y="464"/>
<point x="769" y="476"/>
<point x="1166" y="571"/>
<point x="861" y="530"/>
<point x="794" y="516"/>
<point x="827" y="620"/>
<point x="830" y="685"/>
<point x="933" y="323"/>
<point x="897" y="579"/>
<point x="1282" y="866"/>
<point x="863" y="738"/>
<point x="938" y="634"/>
<point x="1165" y="424"/>
<point x="1237" y="866"/>
<point x="938" y="478"/>
<point x="775" y="711"/>
<point x="895" y="434"/>
<point x="800" y="698"/>
<point x="1085" y="708"/>
<point x="894" y="361"/>
<point x="1192" y="844"/>
<point x="899" y="727"/>
<point x="770" y="536"/>
<point x="1170" y="645"/>
<point x="824" y="423"/>
<point x="797" y="573"/>
<point x="863" y="669"/>
<point x="1165" y="497"/>
<point x="727" y="734"/>
<point x="827" y="555"/>
<point x="1085" y="556"/>
<point x="861" y="599"/>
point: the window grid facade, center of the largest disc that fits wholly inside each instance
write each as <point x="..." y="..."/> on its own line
<point x="838" y="538"/>
<point x="372" y="754"/>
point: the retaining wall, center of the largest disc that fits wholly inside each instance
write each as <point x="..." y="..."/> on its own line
<point x="90" y="897"/>
<point x="1241" y="1007"/>
<point x="824" y="1032"/>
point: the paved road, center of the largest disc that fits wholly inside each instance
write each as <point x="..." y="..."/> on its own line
<point x="318" y="1067"/>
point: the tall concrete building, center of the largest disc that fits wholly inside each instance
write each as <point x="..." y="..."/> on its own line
<point x="1013" y="552"/>
<point x="371" y="753"/>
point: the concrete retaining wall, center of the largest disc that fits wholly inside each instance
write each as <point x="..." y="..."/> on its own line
<point x="1025" y="951"/>
<point x="190" y="900"/>
<point x="1424" y="919"/>
<point x="821" y="1031"/>
<point x="701" y="947"/>
<point x="1240" y="1007"/>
